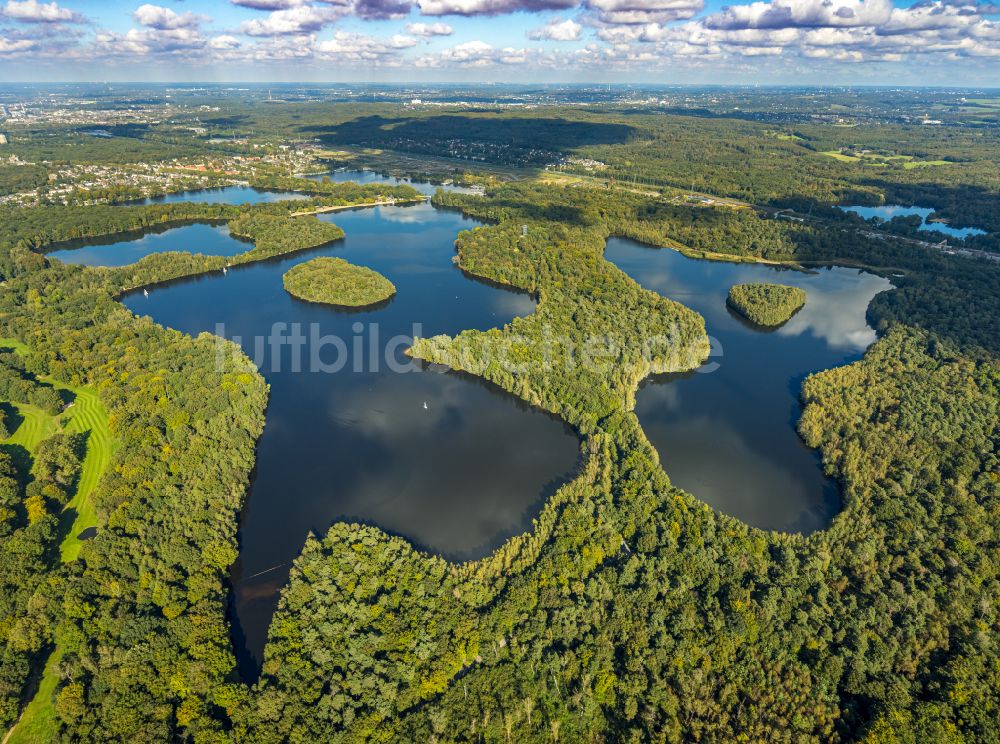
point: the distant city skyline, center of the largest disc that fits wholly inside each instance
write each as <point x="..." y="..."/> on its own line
<point x="805" y="42"/>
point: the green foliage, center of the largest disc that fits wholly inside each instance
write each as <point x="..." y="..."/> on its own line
<point x="17" y="178"/>
<point x="766" y="304"/>
<point x="631" y="612"/>
<point x="956" y="298"/>
<point x="337" y="193"/>
<point x="30" y="584"/>
<point x="273" y="235"/>
<point x="17" y="385"/>
<point x="334" y="281"/>
<point x="186" y="422"/>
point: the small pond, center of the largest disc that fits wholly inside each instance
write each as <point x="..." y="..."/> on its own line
<point x="888" y="211"/>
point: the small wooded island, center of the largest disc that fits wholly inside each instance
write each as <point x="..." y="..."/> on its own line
<point x="768" y="305"/>
<point x="334" y="281"/>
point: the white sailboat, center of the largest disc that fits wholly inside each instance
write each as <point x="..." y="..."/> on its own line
<point x="425" y="405"/>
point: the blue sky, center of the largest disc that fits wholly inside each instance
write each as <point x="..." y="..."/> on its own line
<point x="939" y="42"/>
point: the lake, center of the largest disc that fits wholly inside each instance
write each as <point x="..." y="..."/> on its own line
<point x="442" y="459"/>
<point x="126" y="248"/>
<point x="888" y="211"/>
<point x="726" y="433"/>
<point x="224" y="195"/>
<point x="344" y="175"/>
<point x="448" y="461"/>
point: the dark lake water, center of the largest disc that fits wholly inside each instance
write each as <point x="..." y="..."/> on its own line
<point x="126" y="248"/>
<point x="888" y="211"/>
<point x="213" y="240"/>
<point x="445" y="460"/>
<point x="726" y="433"/>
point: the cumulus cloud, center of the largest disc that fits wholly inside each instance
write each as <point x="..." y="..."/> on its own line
<point x="155" y="16"/>
<point x="304" y="19"/>
<point x="490" y="7"/>
<point x="149" y="42"/>
<point x="557" y="30"/>
<point x="32" y="11"/>
<point x="13" y="46"/>
<point x="803" y="14"/>
<point x="363" y="49"/>
<point x="224" y="43"/>
<point x="644" y="11"/>
<point x="630" y="34"/>
<point x="381" y="9"/>
<point x="480" y="54"/>
<point x="268" y="4"/>
<point x="429" y="29"/>
<point x="866" y="31"/>
<point x="931" y="16"/>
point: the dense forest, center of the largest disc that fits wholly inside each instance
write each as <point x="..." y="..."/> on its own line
<point x="15" y="178"/>
<point x="334" y="281"/>
<point x="956" y="297"/>
<point x="766" y="304"/>
<point x="632" y="611"/>
<point x="31" y="585"/>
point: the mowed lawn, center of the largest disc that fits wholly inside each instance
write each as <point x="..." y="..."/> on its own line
<point x="86" y="414"/>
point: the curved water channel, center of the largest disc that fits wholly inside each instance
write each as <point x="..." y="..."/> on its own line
<point x="448" y="461"/>
<point x="726" y="432"/>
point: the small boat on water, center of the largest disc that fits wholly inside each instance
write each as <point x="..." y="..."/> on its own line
<point x="145" y="293"/>
<point x="425" y="405"/>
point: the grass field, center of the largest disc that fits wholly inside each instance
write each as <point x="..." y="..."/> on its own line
<point x="837" y="155"/>
<point x="875" y="160"/>
<point x="87" y="415"/>
<point x="38" y="721"/>
<point x="35" y="426"/>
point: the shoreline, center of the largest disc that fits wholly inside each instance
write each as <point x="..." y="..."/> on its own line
<point x="340" y="207"/>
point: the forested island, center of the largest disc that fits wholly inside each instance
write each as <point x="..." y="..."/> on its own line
<point x="769" y="305"/>
<point x="334" y="281"/>
<point x="631" y="611"/>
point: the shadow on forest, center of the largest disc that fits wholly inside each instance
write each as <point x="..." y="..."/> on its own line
<point x="232" y="120"/>
<point x="67" y="517"/>
<point x="12" y="416"/>
<point x="516" y="133"/>
<point x="134" y="130"/>
<point x="21" y="459"/>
